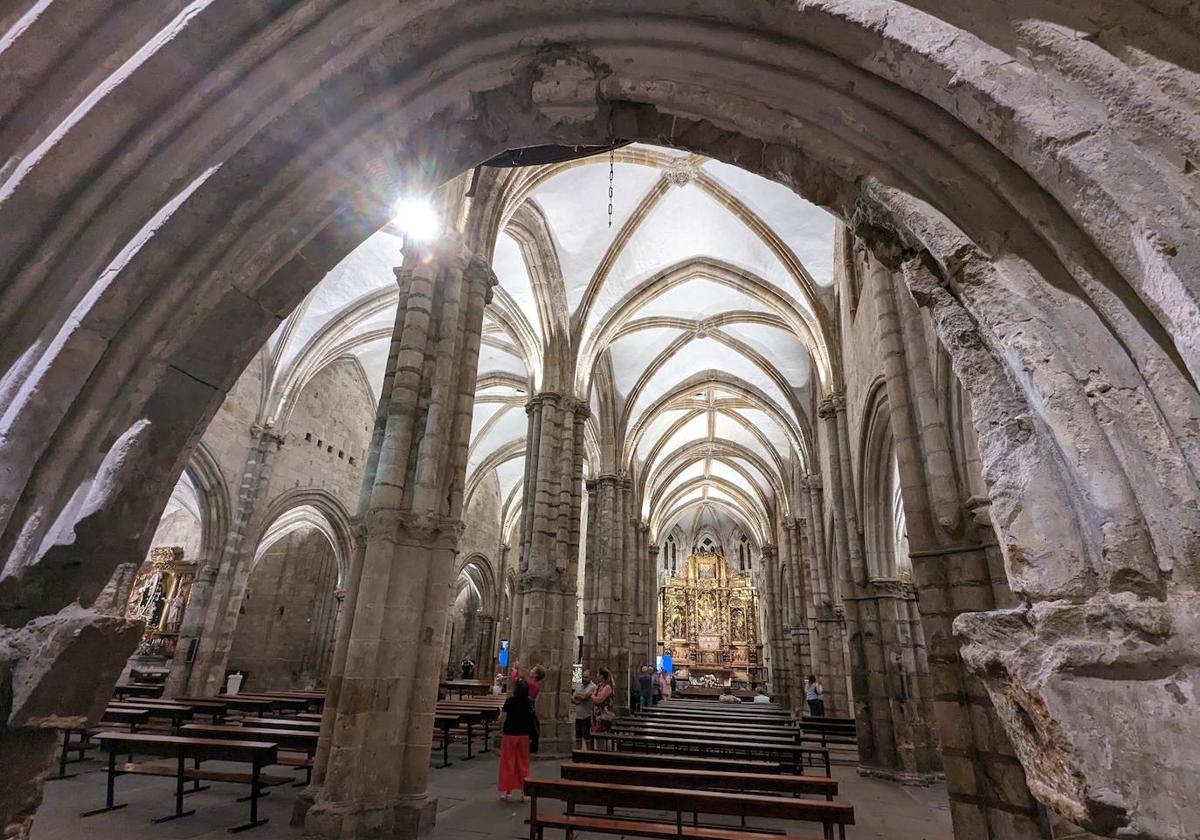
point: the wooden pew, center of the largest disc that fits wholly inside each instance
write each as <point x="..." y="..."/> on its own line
<point x="137" y="689"/>
<point x="632" y="774"/>
<point x="787" y="734"/>
<point x="278" y="702"/>
<point x="466" y="687"/>
<point x="443" y="722"/>
<point x="792" y="755"/>
<point x="295" y="740"/>
<point x="281" y="723"/>
<point x="83" y="744"/>
<point x="681" y="762"/>
<point x="215" y="709"/>
<point x="831" y="815"/>
<point x="174" y="712"/>
<point x="471" y="715"/>
<point x="257" y="754"/>
<point x="234" y="701"/>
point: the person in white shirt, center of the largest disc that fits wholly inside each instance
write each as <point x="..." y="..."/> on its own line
<point x="582" y="699"/>
<point x="762" y="697"/>
<point x="812" y="696"/>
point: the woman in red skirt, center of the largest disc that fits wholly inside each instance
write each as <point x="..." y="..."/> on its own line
<point x="517" y="723"/>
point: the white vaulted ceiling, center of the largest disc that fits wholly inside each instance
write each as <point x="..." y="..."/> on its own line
<point x="697" y="323"/>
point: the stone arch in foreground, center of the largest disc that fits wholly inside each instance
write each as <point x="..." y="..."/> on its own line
<point x="162" y="217"/>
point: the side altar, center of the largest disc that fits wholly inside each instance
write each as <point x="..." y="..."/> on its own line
<point x="708" y="619"/>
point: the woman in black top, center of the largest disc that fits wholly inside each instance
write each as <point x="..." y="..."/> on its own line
<point x="516" y="726"/>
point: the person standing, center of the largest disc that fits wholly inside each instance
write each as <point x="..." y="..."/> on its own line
<point x="535" y="681"/>
<point x="516" y="728"/>
<point x="812" y="696"/>
<point x="602" y="702"/>
<point x="646" y="687"/>
<point x="582" y="698"/>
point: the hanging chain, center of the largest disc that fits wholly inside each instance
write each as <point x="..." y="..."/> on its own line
<point x="612" y="159"/>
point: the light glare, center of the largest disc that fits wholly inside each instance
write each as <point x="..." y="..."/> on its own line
<point x="417" y="218"/>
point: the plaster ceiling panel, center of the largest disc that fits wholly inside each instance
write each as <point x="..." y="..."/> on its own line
<point x="373" y="358"/>
<point x="707" y="354"/>
<point x="509" y="426"/>
<point x="655" y="429"/>
<point x="509" y="474"/>
<point x="770" y="429"/>
<point x="685" y="225"/>
<point x="480" y="414"/>
<point x="688" y="474"/>
<point x="778" y="346"/>
<point x="632" y="352"/>
<point x="495" y="359"/>
<point x="722" y="470"/>
<point x="575" y="205"/>
<point x="759" y="477"/>
<point x="700" y="298"/>
<point x="804" y="227"/>
<point x="509" y="264"/>
<point x="730" y="429"/>
<point x="365" y="270"/>
<point x="693" y="430"/>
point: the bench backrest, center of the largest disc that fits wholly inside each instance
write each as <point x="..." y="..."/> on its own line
<point x="690" y="801"/>
<point x="697" y="779"/>
<point x="732" y="765"/>
<point x="205" y="749"/>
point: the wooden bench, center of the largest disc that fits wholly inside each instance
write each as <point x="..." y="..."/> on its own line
<point x="682" y="762"/>
<point x="174" y="712"/>
<point x="783" y="734"/>
<point x="281" y="723"/>
<point x="215" y="709"/>
<point x="792" y="755"/>
<point x="831" y="815"/>
<point x="257" y="754"/>
<point x="471" y="715"/>
<point x="287" y="739"/>
<point x="702" y="779"/>
<point x="123" y="690"/>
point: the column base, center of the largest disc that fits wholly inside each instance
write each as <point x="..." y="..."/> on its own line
<point x="402" y="821"/>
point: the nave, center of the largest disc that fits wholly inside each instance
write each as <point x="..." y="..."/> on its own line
<point x="468" y="808"/>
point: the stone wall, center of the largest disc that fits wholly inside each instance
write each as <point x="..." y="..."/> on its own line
<point x="284" y="630"/>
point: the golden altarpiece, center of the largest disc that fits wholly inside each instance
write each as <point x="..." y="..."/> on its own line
<point x="708" y="619"/>
<point x="159" y="597"/>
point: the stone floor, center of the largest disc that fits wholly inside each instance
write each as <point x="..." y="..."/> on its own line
<point x="468" y="808"/>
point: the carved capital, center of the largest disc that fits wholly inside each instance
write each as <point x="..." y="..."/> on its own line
<point x="831" y="404"/>
<point x="479" y="272"/>
<point x="980" y="508"/>
<point x="438" y="532"/>
<point x="265" y="434"/>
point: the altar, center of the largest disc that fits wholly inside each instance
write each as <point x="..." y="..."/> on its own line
<point x="708" y="619"/>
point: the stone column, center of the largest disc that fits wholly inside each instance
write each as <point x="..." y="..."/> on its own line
<point x="550" y="556"/>
<point x="773" y="629"/>
<point x="989" y="796"/>
<point x="607" y="610"/>
<point x="799" y="646"/>
<point x="380" y="725"/>
<point x="651" y="572"/>
<point x="216" y="600"/>
<point x="829" y="660"/>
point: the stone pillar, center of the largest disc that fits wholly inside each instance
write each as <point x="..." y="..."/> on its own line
<point x="607" y="609"/>
<point x="775" y="621"/>
<point x="549" y="558"/>
<point x="216" y="600"/>
<point x="989" y="796"/>
<point x="829" y="661"/>
<point x="799" y="647"/>
<point x="651" y="572"/>
<point x="380" y="724"/>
